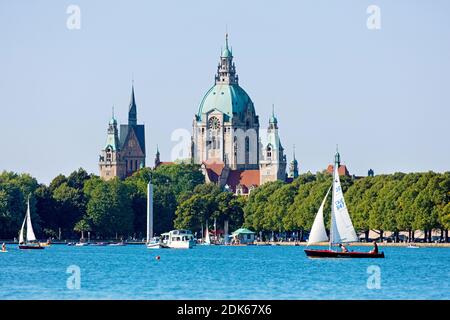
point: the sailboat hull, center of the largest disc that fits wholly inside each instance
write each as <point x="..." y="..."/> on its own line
<point x="334" y="254"/>
<point x="30" y="247"/>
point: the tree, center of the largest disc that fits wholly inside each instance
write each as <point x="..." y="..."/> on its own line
<point x="82" y="226"/>
<point x="109" y="209"/>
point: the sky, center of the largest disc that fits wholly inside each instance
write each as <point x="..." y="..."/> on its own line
<point x="382" y="95"/>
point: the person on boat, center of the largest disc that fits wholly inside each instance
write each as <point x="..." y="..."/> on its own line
<point x="3" y="247"/>
<point x="375" y="248"/>
<point x="343" y="248"/>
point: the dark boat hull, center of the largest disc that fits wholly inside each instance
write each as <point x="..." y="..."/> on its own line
<point x="30" y="247"/>
<point x="335" y="254"/>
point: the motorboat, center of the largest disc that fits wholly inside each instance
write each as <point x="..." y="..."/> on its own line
<point x="178" y="239"/>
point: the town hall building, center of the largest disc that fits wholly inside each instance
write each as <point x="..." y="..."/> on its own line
<point x="225" y="135"/>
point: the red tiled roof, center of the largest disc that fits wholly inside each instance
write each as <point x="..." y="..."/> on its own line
<point x="245" y="178"/>
<point x="214" y="170"/>
<point x="342" y="170"/>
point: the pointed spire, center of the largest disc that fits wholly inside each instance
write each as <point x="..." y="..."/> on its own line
<point x="132" y="111"/>
<point x="273" y="119"/>
<point x="293" y="152"/>
<point x="337" y="158"/>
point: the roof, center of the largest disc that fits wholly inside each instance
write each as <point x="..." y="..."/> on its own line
<point x="244" y="178"/>
<point x="139" y="130"/>
<point x="343" y="171"/>
<point x="230" y="99"/>
<point x="214" y="170"/>
<point x="242" y="231"/>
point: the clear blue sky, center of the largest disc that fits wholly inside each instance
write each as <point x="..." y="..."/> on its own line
<point x="383" y="96"/>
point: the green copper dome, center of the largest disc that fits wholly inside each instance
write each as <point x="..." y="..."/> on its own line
<point x="230" y="99"/>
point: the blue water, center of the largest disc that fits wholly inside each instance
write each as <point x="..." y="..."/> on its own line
<point x="216" y="272"/>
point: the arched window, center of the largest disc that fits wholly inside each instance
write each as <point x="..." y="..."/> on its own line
<point x="269" y="152"/>
<point x="247" y="150"/>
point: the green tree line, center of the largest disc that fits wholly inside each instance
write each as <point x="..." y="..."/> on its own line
<point x="80" y="202"/>
<point x="395" y="202"/>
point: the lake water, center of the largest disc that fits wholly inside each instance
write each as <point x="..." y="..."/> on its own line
<point x="218" y="272"/>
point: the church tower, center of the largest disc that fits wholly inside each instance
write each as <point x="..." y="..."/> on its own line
<point x="225" y="129"/>
<point x="132" y="139"/>
<point x="273" y="160"/>
<point x="110" y="162"/>
<point x="293" y="167"/>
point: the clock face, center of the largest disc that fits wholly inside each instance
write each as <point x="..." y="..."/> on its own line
<point x="214" y="123"/>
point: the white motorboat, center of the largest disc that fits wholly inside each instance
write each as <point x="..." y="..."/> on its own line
<point x="178" y="239"/>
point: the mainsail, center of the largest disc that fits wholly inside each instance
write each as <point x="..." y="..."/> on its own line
<point x="341" y="225"/>
<point x="207" y="237"/>
<point x="318" y="232"/>
<point x="30" y="232"/>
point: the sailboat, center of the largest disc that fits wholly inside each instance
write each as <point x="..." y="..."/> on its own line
<point x="152" y="242"/>
<point x="341" y="230"/>
<point x="30" y="241"/>
<point x="207" y="240"/>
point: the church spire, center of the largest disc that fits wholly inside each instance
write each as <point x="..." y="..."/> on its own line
<point x="226" y="71"/>
<point x="132" y="111"/>
<point x="293" y="166"/>
<point x="337" y="158"/>
<point x="273" y="122"/>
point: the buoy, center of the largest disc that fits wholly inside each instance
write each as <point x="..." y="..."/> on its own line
<point x="158" y="258"/>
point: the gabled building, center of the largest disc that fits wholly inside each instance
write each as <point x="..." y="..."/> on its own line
<point x="124" y="151"/>
<point x="342" y="169"/>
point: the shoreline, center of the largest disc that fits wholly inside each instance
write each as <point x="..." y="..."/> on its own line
<point x="359" y="244"/>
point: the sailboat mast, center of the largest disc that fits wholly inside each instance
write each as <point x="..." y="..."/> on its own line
<point x="332" y="203"/>
<point x="149" y="210"/>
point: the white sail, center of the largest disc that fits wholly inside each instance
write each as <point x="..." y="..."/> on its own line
<point x="207" y="237"/>
<point x="341" y="225"/>
<point x="22" y="230"/>
<point x="30" y="232"/>
<point x="225" y="232"/>
<point x="318" y="232"/>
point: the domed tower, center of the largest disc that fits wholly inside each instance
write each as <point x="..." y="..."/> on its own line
<point x="225" y="128"/>
<point x="110" y="162"/>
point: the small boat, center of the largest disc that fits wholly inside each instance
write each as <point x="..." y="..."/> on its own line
<point x="412" y="246"/>
<point x="178" y="239"/>
<point x="98" y="244"/>
<point x="28" y="242"/>
<point x="81" y="244"/>
<point x="341" y="231"/>
<point x="207" y="240"/>
<point x="118" y="244"/>
<point x="154" y="243"/>
<point x="337" y="254"/>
